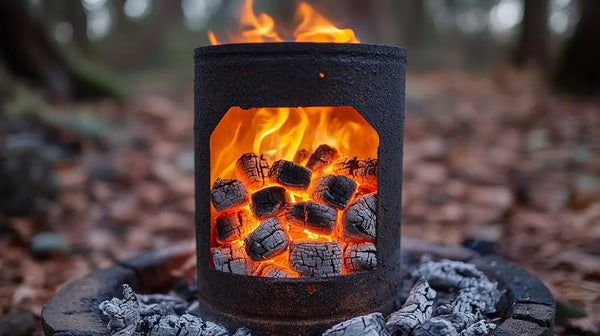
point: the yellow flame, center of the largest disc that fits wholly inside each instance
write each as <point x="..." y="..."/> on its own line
<point x="281" y="132"/>
<point x="260" y="28"/>
<point x="316" y="28"/>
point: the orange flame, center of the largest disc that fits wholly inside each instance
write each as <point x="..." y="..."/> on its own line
<point x="313" y="27"/>
<point x="316" y="28"/>
<point x="281" y="132"/>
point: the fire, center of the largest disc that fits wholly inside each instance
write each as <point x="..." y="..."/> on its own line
<point x="316" y="28"/>
<point x="261" y="28"/>
<point x="281" y="132"/>
<point x="284" y="133"/>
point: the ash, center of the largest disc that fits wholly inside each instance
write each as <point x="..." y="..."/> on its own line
<point x="446" y="297"/>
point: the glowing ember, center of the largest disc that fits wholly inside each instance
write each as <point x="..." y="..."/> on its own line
<point x="313" y="27"/>
<point x="315" y="199"/>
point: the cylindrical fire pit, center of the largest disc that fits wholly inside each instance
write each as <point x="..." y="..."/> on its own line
<point x="345" y="79"/>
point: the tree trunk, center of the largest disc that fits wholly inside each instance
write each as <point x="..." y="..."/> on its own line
<point x="30" y="54"/>
<point x="579" y="67"/>
<point x="534" y="43"/>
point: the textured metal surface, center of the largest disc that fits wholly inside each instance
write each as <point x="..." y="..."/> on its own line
<point x="369" y="78"/>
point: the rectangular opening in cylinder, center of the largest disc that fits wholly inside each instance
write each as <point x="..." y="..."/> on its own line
<point x="294" y="192"/>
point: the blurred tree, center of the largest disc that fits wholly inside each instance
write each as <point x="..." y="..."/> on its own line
<point x="579" y="67"/>
<point x="534" y="43"/>
<point x="29" y="53"/>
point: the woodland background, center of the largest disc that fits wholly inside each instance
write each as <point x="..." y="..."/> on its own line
<point x="502" y="141"/>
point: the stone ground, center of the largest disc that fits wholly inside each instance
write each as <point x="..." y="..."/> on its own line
<point x="503" y="160"/>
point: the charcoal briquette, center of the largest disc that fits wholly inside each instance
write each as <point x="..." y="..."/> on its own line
<point x="322" y="158"/>
<point x="254" y="169"/>
<point x="266" y="241"/>
<point x="316" y="259"/>
<point x="334" y="190"/>
<point x="228" y="194"/>
<point x="315" y="217"/>
<point x="290" y="175"/>
<point x="363" y="171"/>
<point x="301" y="157"/>
<point x="360" y="257"/>
<point x="274" y="271"/>
<point x="360" y="219"/>
<point x="269" y="202"/>
<point x="229" y="225"/>
<point x="232" y="259"/>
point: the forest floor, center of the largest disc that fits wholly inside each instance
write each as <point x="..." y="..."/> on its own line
<point x="503" y="160"/>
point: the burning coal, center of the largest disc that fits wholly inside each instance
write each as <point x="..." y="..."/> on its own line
<point x="284" y="219"/>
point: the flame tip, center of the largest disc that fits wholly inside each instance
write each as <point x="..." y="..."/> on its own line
<point x="313" y="27"/>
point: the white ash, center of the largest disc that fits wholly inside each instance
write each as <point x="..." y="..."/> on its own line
<point x="475" y="293"/>
<point x="130" y="316"/>
<point x="417" y="309"/>
<point x="368" y="325"/>
<point x="446" y="298"/>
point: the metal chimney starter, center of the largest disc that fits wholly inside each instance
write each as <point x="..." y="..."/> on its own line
<point x="369" y="78"/>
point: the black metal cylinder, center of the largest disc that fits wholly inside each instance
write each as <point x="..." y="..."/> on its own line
<point x="371" y="79"/>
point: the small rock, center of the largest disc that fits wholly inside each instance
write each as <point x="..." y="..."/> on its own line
<point x="185" y="162"/>
<point x="48" y="242"/>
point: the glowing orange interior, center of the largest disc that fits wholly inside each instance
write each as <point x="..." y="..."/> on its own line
<point x="281" y="132"/>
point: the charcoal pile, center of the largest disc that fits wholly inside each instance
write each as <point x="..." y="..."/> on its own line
<point x="311" y="217"/>
<point x="446" y="297"/>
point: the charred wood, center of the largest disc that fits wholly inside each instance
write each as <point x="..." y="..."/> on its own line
<point x="360" y="257"/>
<point x="476" y="293"/>
<point x="360" y="219"/>
<point x="435" y="327"/>
<point x="316" y="259"/>
<point x="346" y="166"/>
<point x="301" y="157"/>
<point x="243" y="332"/>
<point x="229" y="225"/>
<point x="290" y="175"/>
<point x="269" y="202"/>
<point x="479" y="328"/>
<point x="232" y="259"/>
<point x="266" y="241"/>
<point x="334" y="191"/>
<point x="254" y="169"/>
<point x="274" y="271"/>
<point x="186" y="324"/>
<point x="152" y="304"/>
<point x="460" y="321"/>
<point x="363" y="171"/>
<point x="447" y="275"/>
<point x="368" y="325"/>
<point x="312" y="216"/>
<point x="322" y="158"/>
<point x="366" y="173"/>
<point x="228" y="194"/>
<point x="473" y="300"/>
<point x="124" y="314"/>
<point x="417" y="309"/>
<point x="131" y="316"/>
